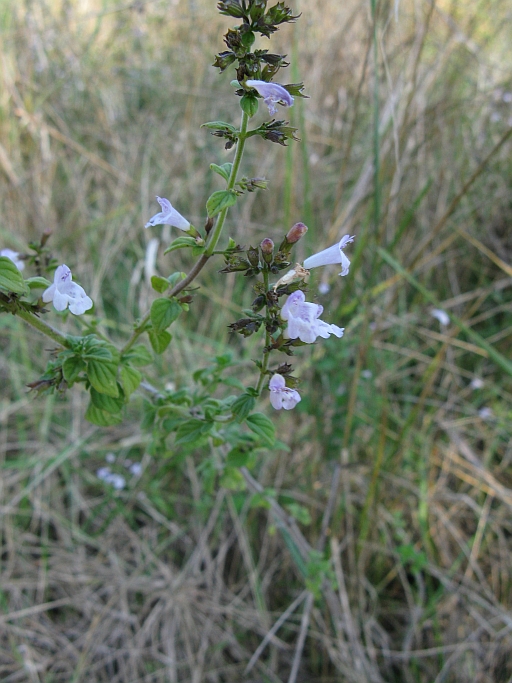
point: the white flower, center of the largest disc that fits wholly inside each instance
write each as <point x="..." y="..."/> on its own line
<point x="280" y="395"/>
<point x="442" y="316"/>
<point x="14" y="257"/>
<point x="168" y="216"/>
<point x="334" y="254"/>
<point x="272" y="94"/>
<point x="476" y="383"/>
<point x="65" y="292"/>
<point x="303" y="320"/>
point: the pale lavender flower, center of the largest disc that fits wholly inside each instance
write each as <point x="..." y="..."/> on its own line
<point x="14" y="257"/>
<point x="303" y="320"/>
<point x="272" y="94"/>
<point x="334" y="254"/>
<point x="65" y="292"/>
<point x="282" y="396"/>
<point x="135" y="469"/>
<point x="476" y="383"/>
<point x="168" y="216"/>
<point x="115" y="480"/>
<point x="442" y="316"/>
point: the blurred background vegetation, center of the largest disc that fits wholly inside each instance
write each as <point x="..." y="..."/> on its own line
<point x="397" y="462"/>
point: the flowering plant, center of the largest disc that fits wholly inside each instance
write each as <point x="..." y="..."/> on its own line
<point x="279" y="312"/>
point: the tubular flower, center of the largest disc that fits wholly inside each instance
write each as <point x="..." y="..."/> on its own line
<point x="65" y="292"/>
<point x="334" y="254"/>
<point x="168" y="216"/>
<point x="303" y="320"/>
<point x="14" y="257"/>
<point x="280" y="395"/>
<point x="272" y="94"/>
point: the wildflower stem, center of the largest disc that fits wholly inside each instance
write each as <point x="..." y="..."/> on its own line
<point x="266" y="354"/>
<point x="43" y="327"/>
<point x="215" y="235"/>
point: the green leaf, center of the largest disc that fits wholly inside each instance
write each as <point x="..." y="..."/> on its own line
<point x="71" y="368"/>
<point x="98" y="353"/>
<point x="174" y="278"/>
<point x="240" y="457"/>
<point x="184" y="242"/>
<point x="159" y="340"/>
<point x="159" y="284"/>
<point x="249" y="104"/>
<point x="224" y="170"/>
<point x="138" y="356"/>
<point x="221" y="125"/>
<point x="102" y="375"/>
<point x="233" y="479"/>
<point x="299" y="512"/>
<point x="107" y="403"/>
<point x="163" y="313"/>
<point x="262" y="426"/>
<point x="242" y="407"/>
<point x="100" y="417"/>
<point x="130" y="379"/>
<point x="11" y="280"/>
<point x="192" y="430"/>
<point x="38" y="282"/>
<point x="220" y="200"/>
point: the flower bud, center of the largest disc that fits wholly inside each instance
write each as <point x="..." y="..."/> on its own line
<point x="296" y="232"/>
<point x="253" y="257"/>
<point x="267" y="249"/>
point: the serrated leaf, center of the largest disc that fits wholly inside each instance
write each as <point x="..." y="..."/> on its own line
<point x="220" y="200"/>
<point x="11" y="280"/>
<point x="38" y="282"/>
<point x="109" y="404"/>
<point x="192" y="430"/>
<point x="242" y="406"/>
<point x="220" y="125"/>
<point x="185" y="242"/>
<point x="98" y="353"/>
<point x="138" y="356"/>
<point x="159" y="284"/>
<point x="71" y="368"/>
<point x="249" y="104"/>
<point x="163" y="313"/>
<point x="130" y="378"/>
<point x="263" y="427"/>
<point x="100" y="417"/>
<point x="224" y="170"/>
<point x="159" y="340"/>
<point x="102" y="375"/>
